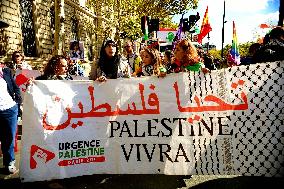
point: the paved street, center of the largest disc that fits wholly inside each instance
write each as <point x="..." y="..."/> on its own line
<point x="143" y="181"/>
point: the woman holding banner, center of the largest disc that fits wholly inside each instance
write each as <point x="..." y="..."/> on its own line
<point x="56" y="69"/>
<point x="19" y="64"/>
<point x="9" y="99"/>
<point x="152" y="63"/>
<point x="186" y="57"/>
<point x="110" y="64"/>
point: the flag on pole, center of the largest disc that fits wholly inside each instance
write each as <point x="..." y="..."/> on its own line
<point x="146" y="34"/>
<point x="235" y="55"/>
<point x="178" y="34"/>
<point x="205" y="27"/>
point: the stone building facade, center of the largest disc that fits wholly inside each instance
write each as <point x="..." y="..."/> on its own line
<point x="41" y="28"/>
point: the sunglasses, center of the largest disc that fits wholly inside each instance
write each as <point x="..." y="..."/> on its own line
<point x="127" y="46"/>
<point x="17" y="55"/>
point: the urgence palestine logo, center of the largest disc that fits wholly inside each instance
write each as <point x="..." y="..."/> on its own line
<point x="39" y="155"/>
<point x="77" y="152"/>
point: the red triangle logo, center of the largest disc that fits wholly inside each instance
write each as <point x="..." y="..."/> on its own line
<point x="39" y="153"/>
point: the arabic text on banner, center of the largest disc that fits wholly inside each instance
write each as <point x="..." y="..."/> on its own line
<point x="225" y="122"/>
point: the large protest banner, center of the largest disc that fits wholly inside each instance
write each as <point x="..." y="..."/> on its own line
<point x="229" y="121"/>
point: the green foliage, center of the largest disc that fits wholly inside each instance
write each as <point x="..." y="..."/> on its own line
<point x="166" y="22"/>
<point x="125" y="15"/>
<point x="243" y="49"/>
<point x="215" y="53"/>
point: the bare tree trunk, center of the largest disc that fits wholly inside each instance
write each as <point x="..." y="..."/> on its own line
<point x="59" y="27"/>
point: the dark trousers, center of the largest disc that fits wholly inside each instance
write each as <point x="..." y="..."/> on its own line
<point x="8" y="128"/>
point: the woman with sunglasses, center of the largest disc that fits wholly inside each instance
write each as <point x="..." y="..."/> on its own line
<point x="19" y="62"/>
<point x="18" y="65"/>
<point x="110" y="64"/>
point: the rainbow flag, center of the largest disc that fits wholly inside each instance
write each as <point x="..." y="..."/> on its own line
<point x="205" y="27"/>
<point x="235" y="55"/>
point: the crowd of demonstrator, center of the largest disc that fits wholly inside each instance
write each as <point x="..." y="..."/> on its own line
<point x="112" y="65"/>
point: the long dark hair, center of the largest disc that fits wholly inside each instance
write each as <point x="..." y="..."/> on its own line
<point x="109" y="65"/>
<point x="169" y="54"/>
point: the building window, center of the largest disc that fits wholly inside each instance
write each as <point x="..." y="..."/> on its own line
<point x="74" y="28"/>
<point x="52" y="23"/>
<point x="28" y="32"/>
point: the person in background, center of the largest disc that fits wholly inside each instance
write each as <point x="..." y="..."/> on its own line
<point x="56" y="69"/>
<point x="209" y="62"/>
<point x="252" y="50"/>
<point x="206" y="58"/>
<point x="162" y="56"/>
<point x="74" y="68"/>
<point x="272" y="48"/>
<point x="19" y="62"/>
<point x="86" y="67"/>
<point x="229" y="59"/>
<point x="168" y="62"/>
<point x="186" y="57"/>
<point x="9" y="99"/>
<point x="76" y="52"/>
<point x="133" y="59"/>
<point x="141" y="53"/>
<point x="110" y="64"/>
<point x="18" y="65"/>
<point x="152" y="63"/>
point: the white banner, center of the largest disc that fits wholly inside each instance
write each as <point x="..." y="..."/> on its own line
<point x="23" y="75"/>
<point x="226" y="122"/>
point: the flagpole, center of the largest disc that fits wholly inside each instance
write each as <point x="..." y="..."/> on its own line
<point x="146" y="31"/>
<point x="178" y="34"/>
<point x="281" y="13"/>
<point x="208" y="37"/>
<point x="223" y="31"/>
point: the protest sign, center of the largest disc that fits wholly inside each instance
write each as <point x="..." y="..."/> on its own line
<point x="229" y="121"/>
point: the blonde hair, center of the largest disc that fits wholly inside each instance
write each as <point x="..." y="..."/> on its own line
<point x="156" y="60"/>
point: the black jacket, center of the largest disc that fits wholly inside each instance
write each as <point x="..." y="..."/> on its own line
<point x="270" y="52"/>
<point x="53" y="77"/>
<point x="12" y="87"/>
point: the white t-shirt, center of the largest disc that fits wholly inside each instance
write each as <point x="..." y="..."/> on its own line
<point x="23" y="65"/>
<point x="6" y="101"/>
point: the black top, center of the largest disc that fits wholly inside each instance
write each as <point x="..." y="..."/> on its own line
<point x="53" y="77"/>
<point x="270" y="52"/>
